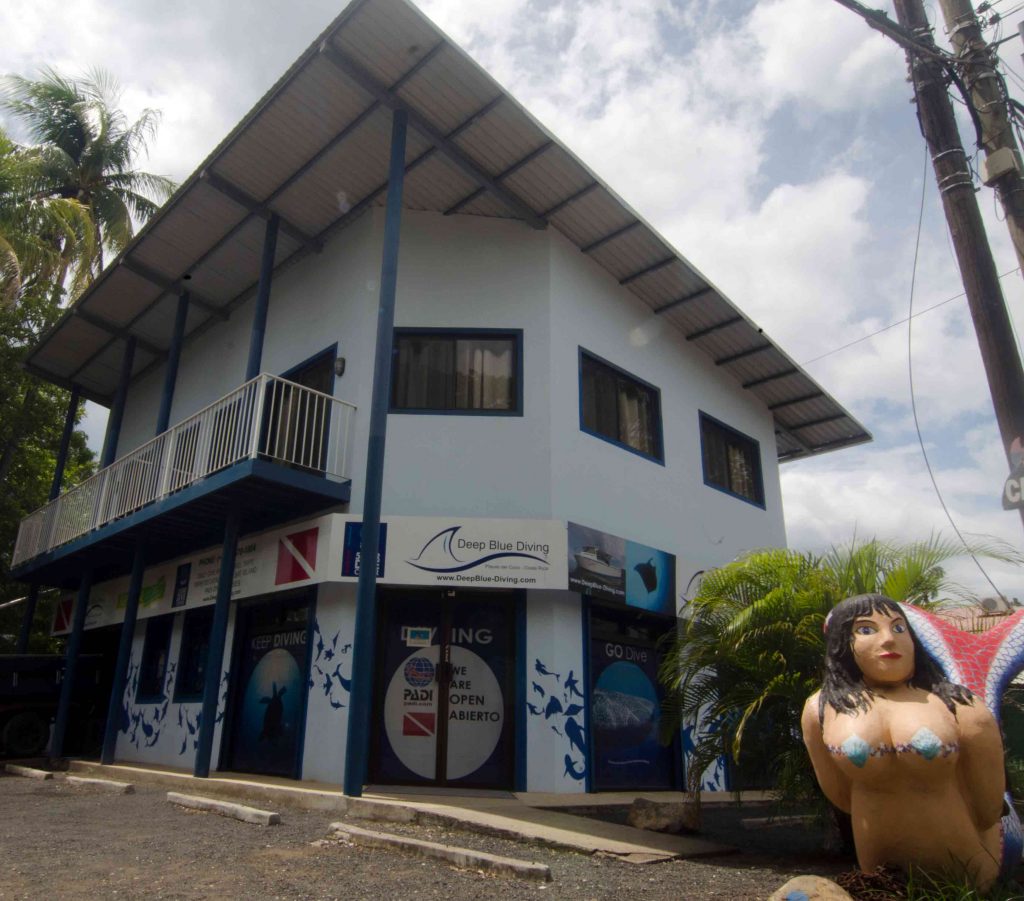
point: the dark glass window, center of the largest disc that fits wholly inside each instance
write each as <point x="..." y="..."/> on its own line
<point x="732" y="461"/>
<point x="456" y="372"/>
<point x="155" y="650"/>
<point x="195" y="641"/>
<point x="620" y="407"/>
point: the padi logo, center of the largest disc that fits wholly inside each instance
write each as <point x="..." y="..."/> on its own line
<point x="448" y="552"/>
<point x="419" y="672"/>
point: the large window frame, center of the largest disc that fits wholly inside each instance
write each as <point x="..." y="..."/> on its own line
<point x="515" y="336"/>
<point x="622" y="380"/>
<point x="189" y="678"/>
<point x="722" y="476"/>
<point x="156" y="654"/>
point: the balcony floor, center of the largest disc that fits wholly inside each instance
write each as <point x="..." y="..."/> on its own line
<point x="189" y="520"/>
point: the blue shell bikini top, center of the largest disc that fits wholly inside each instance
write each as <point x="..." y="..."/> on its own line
<point x="924" y="742"/>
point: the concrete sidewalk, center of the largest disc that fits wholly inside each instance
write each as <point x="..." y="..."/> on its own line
<point x="524" y="817"/>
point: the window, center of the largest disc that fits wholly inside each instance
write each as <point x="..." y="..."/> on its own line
<point x="154" y="659"/>
<point x="620" y="408"/>
<point x="732" y="461"/>
<point x="457" y="371"/>
<point x="195" y="640"/>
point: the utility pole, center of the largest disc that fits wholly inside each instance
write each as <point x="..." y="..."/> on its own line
<point x="927" y="65"/>
<point x="1002" y="167"/>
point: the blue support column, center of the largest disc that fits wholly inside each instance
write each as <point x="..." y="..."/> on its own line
<point x="124" y="653"/>
<point x="58" y="477"/>
<point x="117" y="408"/>
<point x="67" y="686"/>
<point x="357" y="748"/>
<point x="215" y="651"/>
<point x="173" y="356"/>
<point x="259" y="316"/>
<point x="65" y="442"/>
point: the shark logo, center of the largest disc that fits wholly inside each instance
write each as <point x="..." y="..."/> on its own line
<point x="438" y="554"/>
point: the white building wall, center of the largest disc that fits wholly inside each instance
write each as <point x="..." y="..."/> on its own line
<point x="598" y="484"/>
<point x="330" y="673"/>
<point x="166" y="733"/>
<point x="554" y="639"/>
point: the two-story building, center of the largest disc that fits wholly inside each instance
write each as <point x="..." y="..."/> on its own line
<point x="578" y="423"/>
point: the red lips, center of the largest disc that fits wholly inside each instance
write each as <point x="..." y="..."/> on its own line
<point x="892" y="655"/>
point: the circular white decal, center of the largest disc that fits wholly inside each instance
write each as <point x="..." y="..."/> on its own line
<point x="476" y="712"/>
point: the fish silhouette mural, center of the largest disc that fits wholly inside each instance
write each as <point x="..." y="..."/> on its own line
<point x="334" y="686"/>
<point x="142" y="727"/>
<point x="561" y="716"/>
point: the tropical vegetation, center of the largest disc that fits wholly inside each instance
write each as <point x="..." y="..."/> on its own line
<point x="71" y="193"/>
<point x="750" y="649"/>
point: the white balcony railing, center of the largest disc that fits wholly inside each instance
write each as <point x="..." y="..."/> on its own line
<point x="268" y="418"/>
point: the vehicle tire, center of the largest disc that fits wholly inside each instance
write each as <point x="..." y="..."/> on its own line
<point x="25" y="734"/>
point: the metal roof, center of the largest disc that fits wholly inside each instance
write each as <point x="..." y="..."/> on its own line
<point x="314" y="151"/>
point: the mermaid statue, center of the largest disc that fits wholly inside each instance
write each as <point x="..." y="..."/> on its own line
<point x="904" y="737"/>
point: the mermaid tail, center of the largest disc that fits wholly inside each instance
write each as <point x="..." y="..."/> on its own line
<point x="985" y="663"/>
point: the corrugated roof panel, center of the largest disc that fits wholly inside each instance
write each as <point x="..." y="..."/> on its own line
<point x="126" y="296"/>
<point x="83" y="340"/>
<point x="436" y="184"/>
<point x="500" y="139"/>
<point x="233" y="267"/>
<point x="292" y="130"/>
<point x="593" y="216"/>
<point x="187" y="231"/>
<point x="659" y="286"/>
<point x="553" y="174"/>
<point x="446" y="92"/>
<point x="631" y="252"/>
<point x="343" y="177"/>
<point x="488" y="205"/>
<point x="386" y="38"/>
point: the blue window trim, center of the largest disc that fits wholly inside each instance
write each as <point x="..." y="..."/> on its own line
<point x="331" y="351"/>
<point x="757" y="447"/>
<point x="516" y="334"/>
<point x="181" y="697"/>
<point x="168" y="619"/>
<point x="659" y="433"/>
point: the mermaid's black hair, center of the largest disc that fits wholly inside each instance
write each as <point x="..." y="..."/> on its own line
<point x="844" y="689"/>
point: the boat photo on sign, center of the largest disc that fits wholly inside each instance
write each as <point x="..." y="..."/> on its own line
<point x="611" y="568"/>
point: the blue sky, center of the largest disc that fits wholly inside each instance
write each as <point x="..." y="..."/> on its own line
<point x="771" y="141"/>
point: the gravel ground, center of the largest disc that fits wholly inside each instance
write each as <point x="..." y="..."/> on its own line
<point x="59" y="841"/>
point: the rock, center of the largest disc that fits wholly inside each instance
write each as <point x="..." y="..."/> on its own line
<point x="810" y="888"/>
<point x="657" y="816"/>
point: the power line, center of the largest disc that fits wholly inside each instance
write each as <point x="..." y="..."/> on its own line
<point x="892" y="325"/>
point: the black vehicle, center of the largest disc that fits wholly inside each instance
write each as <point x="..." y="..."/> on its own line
<point x="29" y="694"/>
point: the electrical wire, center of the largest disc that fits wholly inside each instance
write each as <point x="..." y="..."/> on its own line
<point x="910" y="375"/>
<point x="893" y="325"/>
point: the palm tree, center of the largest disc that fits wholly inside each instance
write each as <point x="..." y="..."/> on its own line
<point x="87" y="151"/>
<point x="40" y="236"/>
<point x="751" y="647"/>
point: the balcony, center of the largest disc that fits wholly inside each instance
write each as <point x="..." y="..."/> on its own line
<point x="275" y="447"/>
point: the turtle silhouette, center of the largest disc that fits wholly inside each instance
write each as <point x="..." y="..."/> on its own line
<point x="273" y="717"/>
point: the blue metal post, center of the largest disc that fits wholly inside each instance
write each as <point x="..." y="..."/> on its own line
<point x="28" y="617"/>
<point x="65" y="442"/>
<point x="357" y="747"/>
<point x="259" y="316"/>
<point x="124" y="653"/>
<point x="67" y="686"/>
<point x="173" y="356"/>
<point x="117" y="408"/>
<point x="215" y="651"/>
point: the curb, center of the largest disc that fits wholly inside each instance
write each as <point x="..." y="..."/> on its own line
<point x="28" y="772"/>
<point x="460" y="857"/>
<point x="226" y="808"/>
<point x="117" y="788"/>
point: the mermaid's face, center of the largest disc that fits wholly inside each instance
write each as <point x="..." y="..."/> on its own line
<point x="883" y="649"/>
